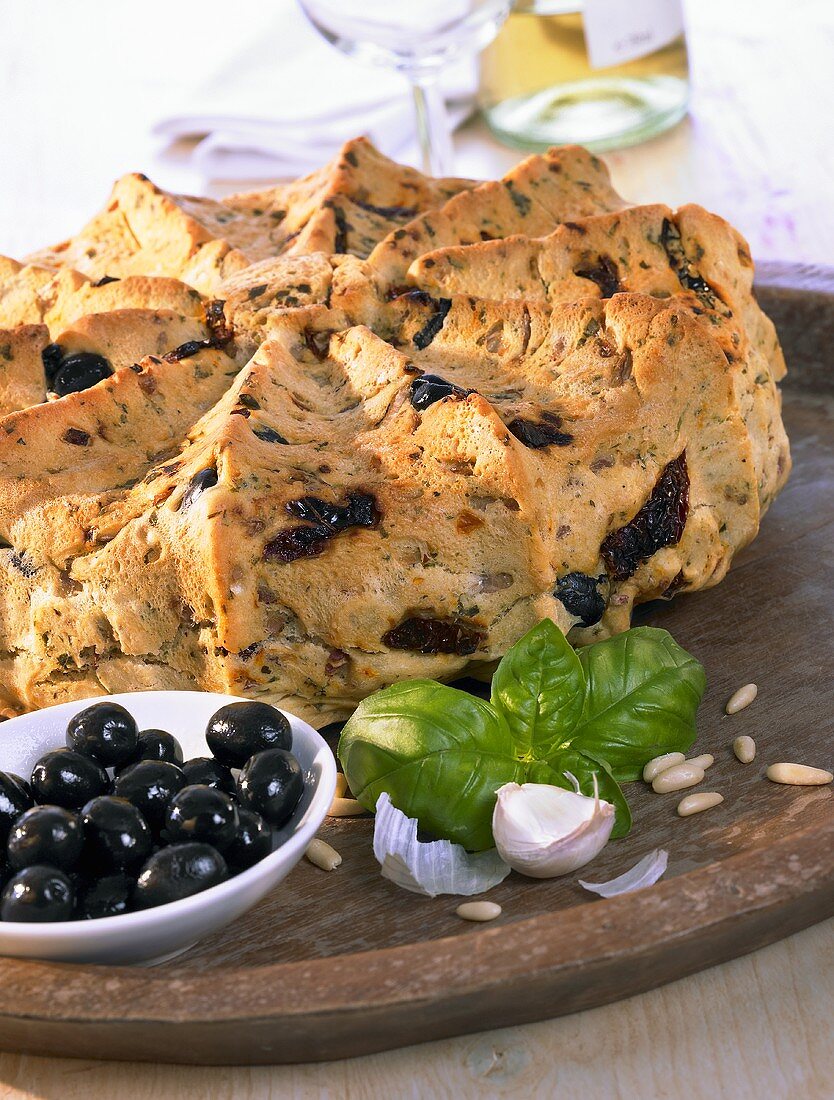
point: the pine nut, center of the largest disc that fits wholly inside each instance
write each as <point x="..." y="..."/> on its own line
<point x="321" y="854"/>
<point x="661" y="763"/>
<point x="479" y="910"/>
<point x="677" y="777"/>
<point x="798" y="775"/>
<point x="345" y="807"/>
<point x="745" y="749"/>
<point x="741" y="698"/>
<point x="697" y="803"/>
<point x="705" y="760"/>
<point x="341" y="785"/>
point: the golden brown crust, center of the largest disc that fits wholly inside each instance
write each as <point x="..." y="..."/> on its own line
<point x="346" y="207"/>
<point x="22" y="379"/>
<point x="144" y="230"/>
<point x="287" y="512"/>
<point x="538" y="194"/>
<point x="689" y="254"/>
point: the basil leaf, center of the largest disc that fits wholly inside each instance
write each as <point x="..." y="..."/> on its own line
<point x="441" y="754"/>
<point x="642" y="694"/>
<point x="583" y="768"/>
<point x="539" y="687"/>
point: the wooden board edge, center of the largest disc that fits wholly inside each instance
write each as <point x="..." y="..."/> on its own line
<point x="503" y="975"/>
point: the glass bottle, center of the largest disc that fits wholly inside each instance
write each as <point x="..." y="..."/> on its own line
<point x="601" y="73"/>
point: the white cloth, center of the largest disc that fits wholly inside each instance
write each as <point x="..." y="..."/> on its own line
<point x="285" y="105"/>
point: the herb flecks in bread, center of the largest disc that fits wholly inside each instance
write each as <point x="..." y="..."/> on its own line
<point x="369" y="426"/>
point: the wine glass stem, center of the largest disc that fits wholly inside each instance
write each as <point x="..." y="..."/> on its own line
<point x="433" y="127"/>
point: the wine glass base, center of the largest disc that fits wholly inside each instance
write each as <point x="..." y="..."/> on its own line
<point x="601" y="113"/>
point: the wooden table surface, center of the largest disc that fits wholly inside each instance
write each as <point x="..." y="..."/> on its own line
<point x="76" y="96"/>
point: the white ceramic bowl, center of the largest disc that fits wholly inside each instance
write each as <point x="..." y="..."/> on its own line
<point x="155" y="934"/>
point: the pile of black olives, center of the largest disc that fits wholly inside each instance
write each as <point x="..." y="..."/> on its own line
<point x="80" y="841"/>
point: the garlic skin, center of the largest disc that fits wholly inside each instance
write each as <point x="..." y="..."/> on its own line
<point x="645" y="873"/>
<point x="430" y="867"/>
<point x="544" y="831"/>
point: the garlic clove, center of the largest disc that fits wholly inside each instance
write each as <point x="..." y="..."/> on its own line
<point x="543" y="831"/>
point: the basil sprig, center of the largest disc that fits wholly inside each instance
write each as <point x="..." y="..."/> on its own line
<point x="605" y="710"/>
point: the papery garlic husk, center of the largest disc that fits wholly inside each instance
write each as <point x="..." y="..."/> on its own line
<point x="430" y="867"/>
<point x="544" y="831"/>
<point x="647" y="872"/>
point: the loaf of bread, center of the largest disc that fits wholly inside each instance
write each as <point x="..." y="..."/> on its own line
<point x="300" y="444"/>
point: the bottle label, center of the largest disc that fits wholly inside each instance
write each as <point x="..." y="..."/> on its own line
<point x="617" y="31"/>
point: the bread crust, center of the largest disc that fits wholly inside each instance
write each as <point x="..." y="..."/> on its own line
<point x="393" y="449"/>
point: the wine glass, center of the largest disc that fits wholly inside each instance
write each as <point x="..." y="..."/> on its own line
<point x="417" y="38"/>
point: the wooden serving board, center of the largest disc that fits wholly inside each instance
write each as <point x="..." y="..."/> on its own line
<point x="341" y="964"/>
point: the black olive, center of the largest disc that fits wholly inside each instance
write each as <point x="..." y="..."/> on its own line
<point x="186" y="350"/>
<point x="150" y="785"/>
<point x="157" y="745"/>
<point x="52" y="356"/>
<point x="321" y="512"/>
<point x="104" y="731"/>
<point x="429" y="388"/>
<point x="79" y="371"/>
<point x="359" y="510"/>
<point x="202" y="480"/>
<point x="271" y="784"/>
<point x="298" y="542"/>
<point x="603" y="271"/>
<point x="269" y="435"/>
<point x="201" y="813"/>
<point x="24" y="785"/>
<point x="66" y="778"/>
<point x="670" y="240"/>
<point x="46" y="834"/>
<point x="541" y="433"/>
<point x="581" y="596"/>
<point x="220" y="328"/>
<point x="362" y="510"/>
<point x="104" y="897"/>
<point x="116" y="834"/>
<point x="239" y="730"/>
<point x="434" y="324"/>
<point x="252" y="841"/>
<point x="21" y="560"/>
<point x="36" y="895"/>
<point x="15" y="797"/>
<point x="178" y="872"/>
<point x="206" y="771"/>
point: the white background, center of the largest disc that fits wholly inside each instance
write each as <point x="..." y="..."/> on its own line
<point x="82" y="82"/>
